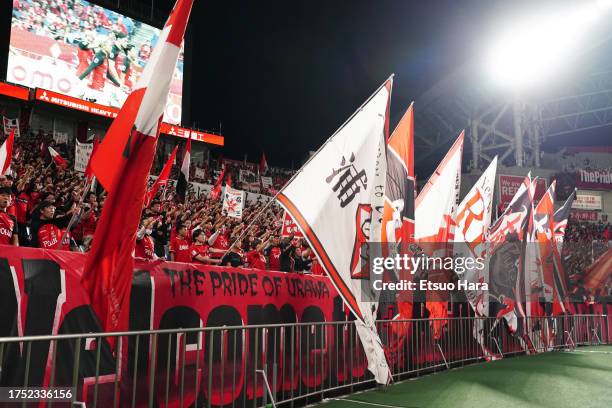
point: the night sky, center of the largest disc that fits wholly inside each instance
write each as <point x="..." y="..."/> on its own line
<point x="281" y="76"/>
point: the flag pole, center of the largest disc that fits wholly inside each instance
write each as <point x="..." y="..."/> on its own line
<point x="76" y="215"/>
<point x="261" y="212"/>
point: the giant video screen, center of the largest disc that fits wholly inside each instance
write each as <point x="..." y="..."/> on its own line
<point x="83" y="50"/>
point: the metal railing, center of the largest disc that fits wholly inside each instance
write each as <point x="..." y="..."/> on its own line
<point x="291" y="364"/>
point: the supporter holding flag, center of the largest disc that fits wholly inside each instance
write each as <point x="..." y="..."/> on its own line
<point x="9" y="230"/>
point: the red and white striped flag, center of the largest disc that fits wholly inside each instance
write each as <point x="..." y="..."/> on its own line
<point x="122" y="164"/>
<point x="57" y="159"/>
<point x="6" y="153"/>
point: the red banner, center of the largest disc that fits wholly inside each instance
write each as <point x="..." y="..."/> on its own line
<point x="583" y="215"/>
<point x="508" y="186"/>
<point x="178" y="131"/>
<point x="290" y="227"/>
<point x="14" y="91"/>
<point x="41" y="294"/>
<point x="44" y="95"/>
<point x="594" y="179"/>
<point x="70" y="102"/>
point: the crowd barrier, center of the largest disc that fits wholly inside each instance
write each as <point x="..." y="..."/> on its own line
<point x="275" y="364"/>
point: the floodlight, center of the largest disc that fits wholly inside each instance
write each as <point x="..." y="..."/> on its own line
<point x="534" y="49"/>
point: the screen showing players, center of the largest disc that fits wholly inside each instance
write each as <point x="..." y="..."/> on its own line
<point x="83" y="50"/>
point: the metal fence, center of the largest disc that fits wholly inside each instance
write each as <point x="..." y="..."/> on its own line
<point x="283" y="364"/>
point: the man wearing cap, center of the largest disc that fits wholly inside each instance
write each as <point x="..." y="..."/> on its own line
<point x="8" y="222"/>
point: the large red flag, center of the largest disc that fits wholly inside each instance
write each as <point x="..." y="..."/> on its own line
<point x="122" y="164"/>
<point x="163" y="178"/>
<point x="6" y="153"/>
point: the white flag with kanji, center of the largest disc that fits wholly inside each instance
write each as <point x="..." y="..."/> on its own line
<point x="337" y="200"/>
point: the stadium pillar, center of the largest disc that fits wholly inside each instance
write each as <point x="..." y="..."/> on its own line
<point x="475" y="144"/>
<point x="518" y="132"/>
<point x="536" y="138"/>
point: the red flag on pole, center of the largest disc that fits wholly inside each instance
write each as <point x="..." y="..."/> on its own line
<point x="215" y="193"/>
<point x="163" y="178"/>
<point x="88" y="171"/>
<point x="228" y="182"/>
<point x="6" y="153"/>
<point x="57" y="159"/>
<point x="122" y="164"/>
<point x="263" y="164"/>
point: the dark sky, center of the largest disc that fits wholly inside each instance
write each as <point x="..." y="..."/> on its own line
<point x="281" y="76"/>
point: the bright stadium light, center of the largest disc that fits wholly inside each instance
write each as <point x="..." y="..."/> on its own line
<point x="534" y="49"/>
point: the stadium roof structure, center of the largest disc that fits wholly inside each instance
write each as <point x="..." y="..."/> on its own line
<point x="510" y="125"/>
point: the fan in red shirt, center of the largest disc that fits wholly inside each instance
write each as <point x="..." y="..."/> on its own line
<point x="220" y="242"/>
<point x="200" y="249"/>
<point x="48" y="230"/>
<point x="180" y="249"/>
<point x="8" y="223"/>
<point x="145" y="247"/>
<point x="273" y="252"/>
<point x="254" y="258"/>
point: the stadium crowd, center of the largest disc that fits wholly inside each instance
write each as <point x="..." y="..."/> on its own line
<point x="584" y="243"/>
<point x="42" y="198"/>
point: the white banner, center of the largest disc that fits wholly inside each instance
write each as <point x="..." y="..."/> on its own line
<point x="9" y="125"/>
<point x="247" y="176"/>
<point x="200" y="173"/>
<point x="336" y="200"/>
<point x="82" y="151"/>
<point x="266" y="182"/>
<point x="587" y="202"/>
<point x="233" y="202"/>
<point x="60" y="137"/>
